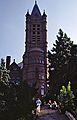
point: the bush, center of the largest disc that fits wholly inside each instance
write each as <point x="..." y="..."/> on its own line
<point x="66" y="98"/>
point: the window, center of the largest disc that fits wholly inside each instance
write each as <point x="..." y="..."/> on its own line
<point x="42" y="76"/>
<point x="33" y="28"/>
<point x="33" y="25"/>
<point x="39" y="76"/>
<point x="42" y="62"/>
<point x="38" y="25"/>
<point x="38" y="37"/>
<point x="39" y="61"/>
<point x="38" y="28"/>
<point x="33" y="32"/>
<point x="38" y="32"/>
<point x="42" y="89"/>
<point x="33" y="37"/>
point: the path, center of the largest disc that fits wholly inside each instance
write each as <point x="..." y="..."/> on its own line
<point x="48" y="114"/>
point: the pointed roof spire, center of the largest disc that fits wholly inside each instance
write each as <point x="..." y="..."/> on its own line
<point x="27" y="14"/>
<point x="44" y="13"/>
<point x="28" y="11"/>
<point x="13" y="60"/>
<point x="36" y="11"/>
<point x="35" y="2"/>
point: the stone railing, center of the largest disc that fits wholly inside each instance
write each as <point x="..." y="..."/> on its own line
<point x="69" y="115"/>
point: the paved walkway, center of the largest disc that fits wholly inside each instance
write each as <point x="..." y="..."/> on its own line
<point x="48" y="114"/>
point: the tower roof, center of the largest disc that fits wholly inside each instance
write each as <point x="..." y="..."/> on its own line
<point x="36" y="11"/>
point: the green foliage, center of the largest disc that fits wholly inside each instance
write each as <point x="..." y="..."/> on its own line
<point x="66" y="98"/>
<point x="4" y="73"/>
<point x="59" y="58"/>
<point x="16" y="101"/>
<point x="60" y="54"/>
<point x="4" y="83"/>
<point x="25" y="100"/>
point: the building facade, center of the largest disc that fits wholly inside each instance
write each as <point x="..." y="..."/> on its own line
<point x="35" y="55"/>
<point x="34" y="65"/>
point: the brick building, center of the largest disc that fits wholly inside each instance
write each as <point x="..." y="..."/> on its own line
<point x="33" y="68"/>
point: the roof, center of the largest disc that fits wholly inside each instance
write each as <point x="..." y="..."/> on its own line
<point x="20" y="65"/>
<point x="14" y="65"/>
<point x="36" y="11"/>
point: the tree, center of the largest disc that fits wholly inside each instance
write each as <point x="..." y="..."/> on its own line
<point x="59" y="58"/>
<point x="4" y="73"/>
<point x="25" y="95"/>
<point x="16" y="101"/>
<point x="66" y="98"/>
<point x="4" y="83"/>
<point x="61" y="50"/>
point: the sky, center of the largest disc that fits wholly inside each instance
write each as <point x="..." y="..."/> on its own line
<point x="60" y="14"/>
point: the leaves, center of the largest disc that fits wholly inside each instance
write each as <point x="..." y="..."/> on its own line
<point x="61" y="50"/>
<point x="66" y="97"/>
<point x="59" y="59"/>
<point x="16" y="101"/>
<point x="4" y="73"/>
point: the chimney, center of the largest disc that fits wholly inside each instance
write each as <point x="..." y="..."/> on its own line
<point x="8" y="60"/>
